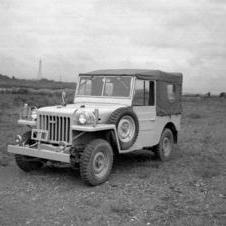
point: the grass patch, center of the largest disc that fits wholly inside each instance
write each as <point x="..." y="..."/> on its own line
<point x="207" y="167"/>
<point x="194" y="116"/>
<point x="4" y="161"/>
<point x="122" y="207"/>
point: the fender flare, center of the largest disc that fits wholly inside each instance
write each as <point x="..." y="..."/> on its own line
<point x="100" y="127"/>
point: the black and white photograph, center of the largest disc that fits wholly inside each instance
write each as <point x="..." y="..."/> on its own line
<point x="113" y="112"/>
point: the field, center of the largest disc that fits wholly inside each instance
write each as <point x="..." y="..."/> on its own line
<point x="14" y="83"/>
<point x="190" y="189"/>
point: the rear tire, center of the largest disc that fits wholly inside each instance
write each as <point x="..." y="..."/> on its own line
<point x="96" y="162"/>
<point x="165" y="147"/>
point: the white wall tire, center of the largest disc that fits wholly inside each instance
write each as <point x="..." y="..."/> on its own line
<point x="96" y="162"/>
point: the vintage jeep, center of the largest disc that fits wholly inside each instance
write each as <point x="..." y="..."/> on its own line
<point x="114" y="112"/>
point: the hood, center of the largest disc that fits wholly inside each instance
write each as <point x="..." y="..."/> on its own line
<point x="105" y="109"/>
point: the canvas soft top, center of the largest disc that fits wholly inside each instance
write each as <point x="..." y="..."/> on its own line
<point x="164" y="106"/>
<point x="140" y="73"/>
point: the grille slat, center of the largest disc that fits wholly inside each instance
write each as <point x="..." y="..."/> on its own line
<point x="43" y="122"/>
<point x="68" y="130"/>
<point x="47" y="122"/>
<point x="54" y="128"/>
<point x="50" y="128"/>
<point x="65" y="130"/>
<point x="62" y="130"/>
<point x="40" y="121"/>
<point x="58" y="129"/>
<point x="57" y="126"/>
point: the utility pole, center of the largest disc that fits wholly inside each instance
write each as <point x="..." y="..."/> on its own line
<point x="39" y="76"/>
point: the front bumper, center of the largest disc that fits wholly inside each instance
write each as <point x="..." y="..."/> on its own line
<point x="40" y="153"/>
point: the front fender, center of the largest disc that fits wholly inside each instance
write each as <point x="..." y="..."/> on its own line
<point x="24" y="122"/>
<point x="97" y="128"/>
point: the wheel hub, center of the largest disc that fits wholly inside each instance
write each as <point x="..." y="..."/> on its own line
<point x="126" y="128"/>
<point x="100" y="164"/>
<point x="167" y="146"/>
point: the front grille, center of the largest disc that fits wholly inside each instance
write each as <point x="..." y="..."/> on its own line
<point x="58" y="127"/>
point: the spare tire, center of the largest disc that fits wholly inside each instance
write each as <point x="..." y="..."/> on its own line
<point x="127" y="126"/>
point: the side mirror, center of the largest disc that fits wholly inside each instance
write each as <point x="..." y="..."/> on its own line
<point x="63" y="96"/>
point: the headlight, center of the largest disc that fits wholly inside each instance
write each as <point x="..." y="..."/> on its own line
<point x="34" y="113"/>
<point x="82" y="118"/>
<point x="85" y="117"/>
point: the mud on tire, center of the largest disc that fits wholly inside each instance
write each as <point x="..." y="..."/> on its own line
<point x="123" y="117"/>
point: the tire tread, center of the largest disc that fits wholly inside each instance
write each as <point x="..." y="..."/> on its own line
<point x="85" y="173"/>
<point x="158" y="147"/>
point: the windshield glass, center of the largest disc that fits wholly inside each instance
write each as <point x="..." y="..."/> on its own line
<point x="111" y="86"/>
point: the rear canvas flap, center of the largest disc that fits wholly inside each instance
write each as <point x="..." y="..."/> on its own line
<point x="168" y="96"/>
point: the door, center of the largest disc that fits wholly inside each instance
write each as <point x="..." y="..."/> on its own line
<point x="144" y="105"/>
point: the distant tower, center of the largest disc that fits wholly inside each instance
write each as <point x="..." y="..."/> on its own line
<point x="39" y="76"/>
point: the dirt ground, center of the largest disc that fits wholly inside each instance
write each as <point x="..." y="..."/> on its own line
<point x="190" y="189"/>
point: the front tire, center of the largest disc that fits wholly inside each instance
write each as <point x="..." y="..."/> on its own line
<point x="96" y="162"/>
<point x="165" y="147"/>
<point x="27" y="163"/>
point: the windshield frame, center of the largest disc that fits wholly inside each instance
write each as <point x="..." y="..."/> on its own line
<point x="103" y="87"/>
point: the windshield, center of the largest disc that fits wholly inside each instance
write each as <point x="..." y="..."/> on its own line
<point x="110" y="86"/>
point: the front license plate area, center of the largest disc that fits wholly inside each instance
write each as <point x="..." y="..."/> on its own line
<point x="39" y="135"/>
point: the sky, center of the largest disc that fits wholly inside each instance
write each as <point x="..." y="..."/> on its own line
<point x="72" y="37"/>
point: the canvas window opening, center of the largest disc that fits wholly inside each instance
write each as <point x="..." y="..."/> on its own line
<point x="171" y="92"/>
<point x="144" y="93"/>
